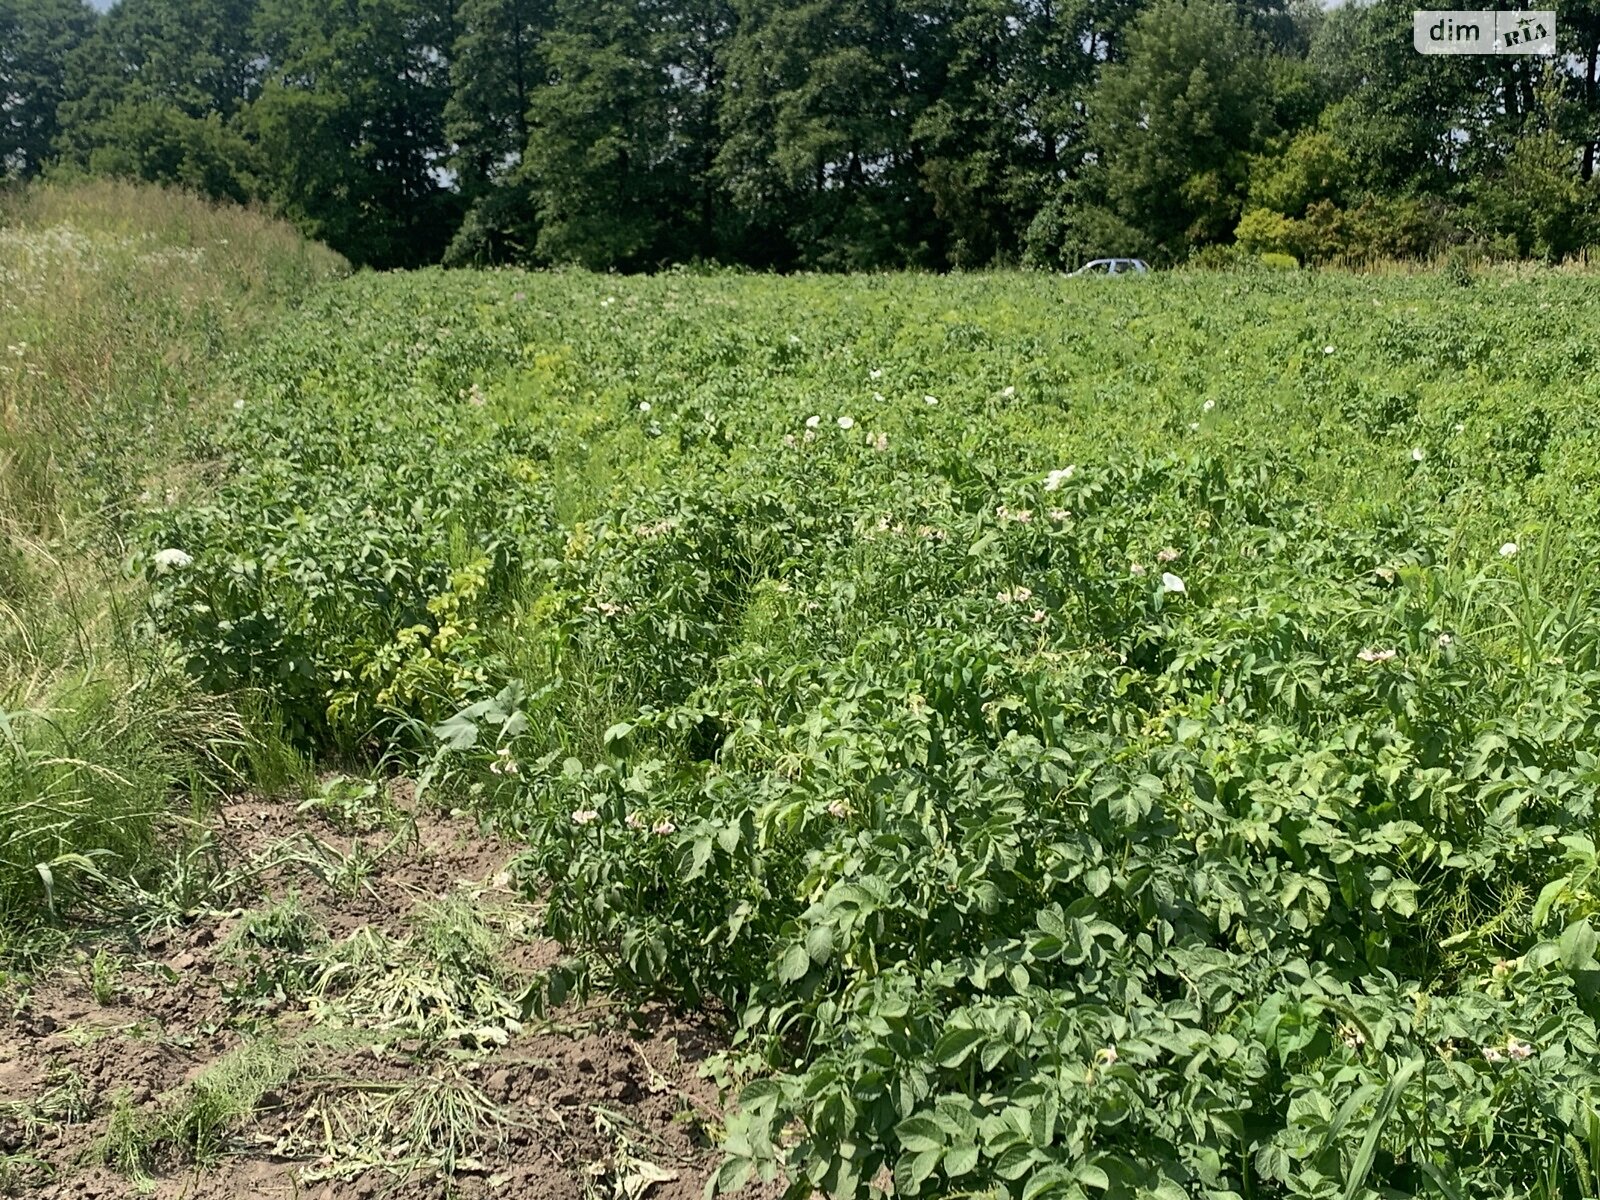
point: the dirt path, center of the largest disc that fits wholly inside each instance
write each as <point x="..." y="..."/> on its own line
<point x="348" y="1027"/>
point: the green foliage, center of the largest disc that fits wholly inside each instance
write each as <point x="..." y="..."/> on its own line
<point x="350" y="805"/>
<point x="118" y="307"/>
<point x="1313" y="166"/>
<point x="38" y="35"/>
<point x="152" y="92"/>
<point x="1140" y="745"/>
<point x="105" y="974"/>
<point x="820" y="134"/>
<point x="1536" y="202"/>
<point x="88" y="789"/>
<point x="350" y="124"/>
<point x="622" y="135"/>
<point x="198" y="1119"/>
<point x="1178" y="118"/>
<point x="494" y="70"/>
<point x="274" y="951"/>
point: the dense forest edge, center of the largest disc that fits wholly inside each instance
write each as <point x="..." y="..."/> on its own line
<point x="820" y="134"/>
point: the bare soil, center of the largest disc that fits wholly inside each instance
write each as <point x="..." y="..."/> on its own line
<point x="595" y="1103"/>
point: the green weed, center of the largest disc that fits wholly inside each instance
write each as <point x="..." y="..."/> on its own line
<point x="128" y="1143"/>
<point x="105" y="977"/>
<point x="198" y="1121"/>
<point x="274" y="950"/>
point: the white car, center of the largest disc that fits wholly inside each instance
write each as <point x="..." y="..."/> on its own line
<point x="1114" y="266"/>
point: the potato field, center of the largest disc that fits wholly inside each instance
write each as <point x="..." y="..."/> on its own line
<point x="1075" y="738"/>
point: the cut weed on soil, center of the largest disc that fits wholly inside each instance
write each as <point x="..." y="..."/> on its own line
<point x="351" y="1024"/>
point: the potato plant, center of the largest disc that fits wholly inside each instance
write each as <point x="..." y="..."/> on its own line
<point x="1090" y="740"/>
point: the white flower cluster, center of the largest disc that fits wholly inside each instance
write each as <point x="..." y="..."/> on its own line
<point x="1515" y="1050"/>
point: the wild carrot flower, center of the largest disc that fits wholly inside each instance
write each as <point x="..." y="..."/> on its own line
<point x="1416" y="454"/>
<point x="1008" y="392"/>
<point x="644" y="406"/>
<point x="813" y="421"/>
<point x="847" y="422"/>
<point x="1509" y="550"/>
<point x="1208" y="406"/>
<point x="930" y="401"/>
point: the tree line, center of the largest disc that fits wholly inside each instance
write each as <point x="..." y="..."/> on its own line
<point x="819" y="134"/>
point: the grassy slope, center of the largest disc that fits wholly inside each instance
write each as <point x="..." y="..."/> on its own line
<point x="120" y="309"/>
